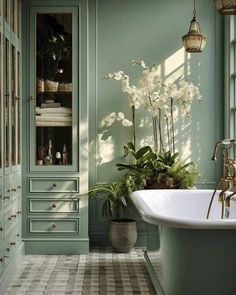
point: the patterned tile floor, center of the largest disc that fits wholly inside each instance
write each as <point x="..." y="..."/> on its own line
<point x="100" y="272"/>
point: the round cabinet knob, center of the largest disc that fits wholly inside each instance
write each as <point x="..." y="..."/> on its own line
<point x="54" y="225"/>
<point x="18" y="212"/>
<point x="9" y="218"/>
<point x="32" y="97"/>
<point x="54" y="205"/>
<point x="1" y="259"/>
<point x="8" y="249"/>
<point x="54" y="185"/>
<point x="8" y="191"/>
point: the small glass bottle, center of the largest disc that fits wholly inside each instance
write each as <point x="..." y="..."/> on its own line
<point x="49" y="158"/>
<point x="58" y="158"/>
<point x="64" y="156"/>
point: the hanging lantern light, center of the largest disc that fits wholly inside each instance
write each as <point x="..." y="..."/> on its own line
<point x="226" y="6"/>
<point x="194" y="41"/>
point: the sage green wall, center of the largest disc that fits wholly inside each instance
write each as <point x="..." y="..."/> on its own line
<point x="121" y="31"/>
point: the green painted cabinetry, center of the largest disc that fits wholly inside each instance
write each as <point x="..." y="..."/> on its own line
<point x="11" y="245"/>
<point x="55" y="141"/>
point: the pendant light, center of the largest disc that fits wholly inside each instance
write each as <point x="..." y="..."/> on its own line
<point x="194" y="41"/>
<point x="226" y="6"/>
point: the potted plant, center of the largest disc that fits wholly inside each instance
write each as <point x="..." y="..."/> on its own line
<point x="54" y="49"/>
<point x="115" y="198"/>
<point x="159" y="166"/>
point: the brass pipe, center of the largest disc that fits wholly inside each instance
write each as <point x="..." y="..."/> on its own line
<point x="212" y="198"/>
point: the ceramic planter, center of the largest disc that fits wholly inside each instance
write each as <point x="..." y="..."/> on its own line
<point x="123" y="234"/>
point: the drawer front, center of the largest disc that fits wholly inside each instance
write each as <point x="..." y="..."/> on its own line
<point x="54" y="205"/>
<point x="63" y="225"/>
<point x="53" y="185"/>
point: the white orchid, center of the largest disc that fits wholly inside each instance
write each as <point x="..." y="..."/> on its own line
<point x="161" y="99"/>
<point x="111" y="118"/>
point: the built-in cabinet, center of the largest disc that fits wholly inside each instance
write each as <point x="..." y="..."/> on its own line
<point x="55" y="142"/>
<point x="11" y="245"/>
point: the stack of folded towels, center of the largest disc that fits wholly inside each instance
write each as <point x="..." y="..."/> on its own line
<point x="53" y="116"/>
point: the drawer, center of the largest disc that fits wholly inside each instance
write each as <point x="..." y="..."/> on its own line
<point x="54" y="205"/>
<point x="52" y="225"/>
<point x="53" y="185"/>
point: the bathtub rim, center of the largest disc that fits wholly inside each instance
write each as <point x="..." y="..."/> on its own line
<point x="175" y="222"/>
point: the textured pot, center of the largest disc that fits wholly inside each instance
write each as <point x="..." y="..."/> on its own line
<point x="123" y="234"/>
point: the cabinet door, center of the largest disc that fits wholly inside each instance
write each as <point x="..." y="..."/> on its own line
<point x="7" y="103"/>
<point x="54" y="89"/>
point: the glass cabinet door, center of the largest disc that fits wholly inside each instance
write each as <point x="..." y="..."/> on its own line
<point x="18" y="109"/>
<point x="55" y="107"/>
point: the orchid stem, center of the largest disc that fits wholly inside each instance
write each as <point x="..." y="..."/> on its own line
<point x="172" y="124"/>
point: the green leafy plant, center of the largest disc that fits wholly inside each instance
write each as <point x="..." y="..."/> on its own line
<point x="114" y="197"/>
<point x="149" y="166"/>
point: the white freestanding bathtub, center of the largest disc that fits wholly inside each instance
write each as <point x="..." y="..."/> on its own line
<point x="198" y="255"/>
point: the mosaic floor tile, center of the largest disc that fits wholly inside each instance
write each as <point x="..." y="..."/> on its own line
<point x="101" y="272"/>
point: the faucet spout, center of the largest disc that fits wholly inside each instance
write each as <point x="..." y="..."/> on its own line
<point x="214" y="158"/>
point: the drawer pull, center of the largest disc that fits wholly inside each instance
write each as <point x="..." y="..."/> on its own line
<point x="9" y="218"/>
<point x="8" y="191"/>
<point x="13" y="216"/>
<point x="6" y="197"/>
<point x="54" y="205"/>
<point x="54" y="185"/>
<point x="13" y="190"/>
<point x="19" y="186"/>
<point x="18" y="212"/>
<point x="12" y="243"/>
<point x="54" y="225"/>
<point x="1" y="229"/>
<point x="1" y="259"/>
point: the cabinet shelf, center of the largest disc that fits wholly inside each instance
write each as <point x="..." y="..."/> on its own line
<point x="54" y="92"/>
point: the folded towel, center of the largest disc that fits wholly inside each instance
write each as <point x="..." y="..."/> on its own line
<point x="52" y="124"/>
<point x="53" y="118"/>
<point x="61" y="110"/>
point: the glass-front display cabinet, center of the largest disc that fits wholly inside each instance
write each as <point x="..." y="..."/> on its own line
<point x="54" y="99"/>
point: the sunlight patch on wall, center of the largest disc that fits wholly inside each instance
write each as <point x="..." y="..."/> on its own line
<point x="106" y="149"/>
<point x="174" y="65"/>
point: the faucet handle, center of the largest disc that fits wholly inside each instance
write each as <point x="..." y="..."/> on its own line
<point x="226" y="143"/>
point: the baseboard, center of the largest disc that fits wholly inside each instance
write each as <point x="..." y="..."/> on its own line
<point x="56" y="247"/>
<point x="101" y="239"/>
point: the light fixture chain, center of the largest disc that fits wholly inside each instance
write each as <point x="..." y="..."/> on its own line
<point x="194" y="8"/>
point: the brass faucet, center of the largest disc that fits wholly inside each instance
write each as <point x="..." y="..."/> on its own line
<point x="228" y="179"/>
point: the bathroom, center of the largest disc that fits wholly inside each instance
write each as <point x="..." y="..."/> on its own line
<point x="48" y="165"/>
